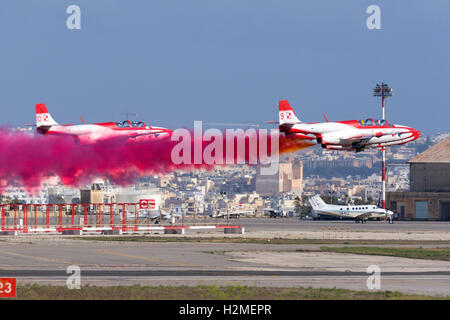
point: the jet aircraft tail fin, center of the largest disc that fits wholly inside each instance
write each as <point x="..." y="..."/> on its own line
<point x="286" y="114"/>
<point x="43" y="117"/>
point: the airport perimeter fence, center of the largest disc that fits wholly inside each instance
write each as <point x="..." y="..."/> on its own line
<point x="105" y="218"/>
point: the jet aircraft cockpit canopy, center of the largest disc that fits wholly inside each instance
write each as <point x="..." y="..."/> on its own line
<point x="366" y="123"/>
<point x="371" y="123"/>
<point x="123" y="124"/>
<point x="130" y="124"/>
<point x="138" y="124"/>
<point x="381" y="123"/>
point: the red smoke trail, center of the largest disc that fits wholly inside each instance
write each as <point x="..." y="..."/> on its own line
<point x="293" y="144"/>
<point x="29" y="159"/>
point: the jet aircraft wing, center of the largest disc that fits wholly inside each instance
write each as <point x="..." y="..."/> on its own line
<point x="359" y="139"/>
<point x="135" y="135"/>
<point x="363" y="138"/>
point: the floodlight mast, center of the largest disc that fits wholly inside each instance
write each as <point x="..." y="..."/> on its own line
<point x="383" y="91"/>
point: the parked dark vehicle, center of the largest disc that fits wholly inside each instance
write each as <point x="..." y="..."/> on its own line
<point x="274" y="214"/>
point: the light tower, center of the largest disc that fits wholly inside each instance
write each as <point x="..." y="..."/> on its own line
<point x="383" y="91"/>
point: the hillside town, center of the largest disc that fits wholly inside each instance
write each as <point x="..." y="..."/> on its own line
<point x="342" y="177"/>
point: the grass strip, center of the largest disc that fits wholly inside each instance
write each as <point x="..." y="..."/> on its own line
<point x="146" y="238"/>
<point x="210" y="292"/>
<point x="413" y="253"/>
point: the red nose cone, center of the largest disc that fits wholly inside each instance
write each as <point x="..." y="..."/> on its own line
<point x="416" y="133"/>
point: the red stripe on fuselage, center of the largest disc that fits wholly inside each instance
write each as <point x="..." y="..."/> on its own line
<point x="111" y="125"/>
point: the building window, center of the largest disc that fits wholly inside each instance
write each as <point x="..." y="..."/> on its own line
<point x="421" y="209"/>
<point x="394" y="205"/>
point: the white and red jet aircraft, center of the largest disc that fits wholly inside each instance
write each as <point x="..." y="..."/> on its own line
<point x="98" y="131"/>
<point x="345" y="135"/>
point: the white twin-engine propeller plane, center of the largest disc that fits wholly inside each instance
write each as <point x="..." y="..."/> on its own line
<point x="345" y="135"/>
<point x="136" y="130"/>
<point x="359" y="213"/>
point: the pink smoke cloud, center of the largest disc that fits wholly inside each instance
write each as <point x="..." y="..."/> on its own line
<point x="29" y="159"/>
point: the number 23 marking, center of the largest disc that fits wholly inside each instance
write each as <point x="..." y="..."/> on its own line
<point x="7" y="284"/>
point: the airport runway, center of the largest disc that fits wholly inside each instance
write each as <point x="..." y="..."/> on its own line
<point x="44" y="259"/>
<point x="271" y="224"/>
<point x="293" y="224"/>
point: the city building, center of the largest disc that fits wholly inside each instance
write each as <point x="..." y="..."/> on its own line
<point x="429" y="195"/>
<point x="288" y="178"/>
<point x="92" y="195"/>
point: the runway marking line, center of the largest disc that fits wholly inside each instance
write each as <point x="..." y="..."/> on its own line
<point x="40" y="258"/>
<point x="146" y="258"/>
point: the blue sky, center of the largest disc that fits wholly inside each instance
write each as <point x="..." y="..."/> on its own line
<point x="174" y="62"/>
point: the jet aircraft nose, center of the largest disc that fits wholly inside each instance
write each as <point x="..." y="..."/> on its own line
<point x="416" y="133"/>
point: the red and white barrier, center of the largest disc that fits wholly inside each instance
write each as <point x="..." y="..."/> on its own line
<point x="92" y="218"/>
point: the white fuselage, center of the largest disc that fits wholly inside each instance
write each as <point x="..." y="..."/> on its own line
<point x="342" y="135"/>
<point x="359" y="212"/>
<point x="94" y="132"/>
<point x="352" y="212"/>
